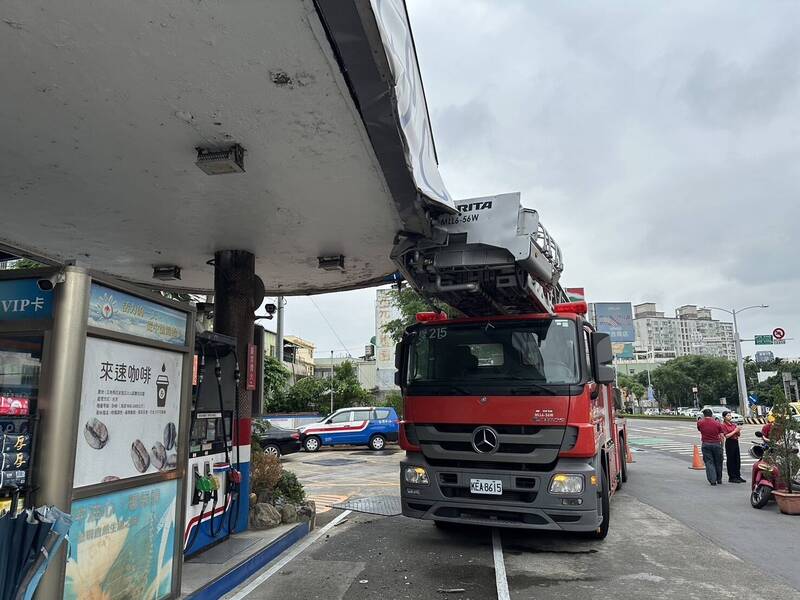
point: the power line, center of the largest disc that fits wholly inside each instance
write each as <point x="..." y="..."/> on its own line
<point x="331" y="327"/>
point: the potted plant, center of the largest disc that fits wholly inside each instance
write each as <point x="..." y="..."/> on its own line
<point x="784" y="439"/>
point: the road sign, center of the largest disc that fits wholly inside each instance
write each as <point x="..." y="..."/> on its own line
<point x="779" y="341"/>
<point x="694" y="390"/>
<point x="764" y="340"/>
<point x="752" y="399"/>
<point x="778" y="333"/>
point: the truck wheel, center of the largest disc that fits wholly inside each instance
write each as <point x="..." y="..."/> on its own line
<point x="602" y="530"/>
<point x="623" y="449"/>
<point x="312" y="443"/>
<point x="377" y="442"/>
<point x="760" y="496"/>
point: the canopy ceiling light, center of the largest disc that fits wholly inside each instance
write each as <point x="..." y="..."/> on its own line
<point x="167" y="273"/>
<point x="331" y="263"/>
<point x="221" y="162"/>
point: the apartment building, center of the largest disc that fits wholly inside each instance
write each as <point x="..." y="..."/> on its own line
<point x="692" y="331"/>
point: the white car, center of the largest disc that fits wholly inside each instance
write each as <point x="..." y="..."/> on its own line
<point x="693" y="412"/>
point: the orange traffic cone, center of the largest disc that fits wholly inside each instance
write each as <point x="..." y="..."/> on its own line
<point x="697" y="462"/>
<point x="628" y="455"/>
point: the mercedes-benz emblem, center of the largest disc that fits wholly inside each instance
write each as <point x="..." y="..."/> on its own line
<point x="484" y="440"/>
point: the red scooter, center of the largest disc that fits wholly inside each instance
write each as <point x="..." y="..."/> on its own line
<point x="766" y="477"/>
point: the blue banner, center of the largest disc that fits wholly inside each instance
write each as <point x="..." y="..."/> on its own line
<point x="21" y="299"/>
<point x="124" y="313"/>
<point x="615" y="319"/>
<point x="122" y="544"/>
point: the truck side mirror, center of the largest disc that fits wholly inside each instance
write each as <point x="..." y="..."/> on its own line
<point x="398" y="364"/>
<point x="603" y="356"/>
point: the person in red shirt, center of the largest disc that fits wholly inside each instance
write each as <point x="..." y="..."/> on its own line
<point x="732" y="455"/>
<point x="711" y="435"/>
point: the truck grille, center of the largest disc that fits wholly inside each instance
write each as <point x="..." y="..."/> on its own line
<point x="520" y="447"/>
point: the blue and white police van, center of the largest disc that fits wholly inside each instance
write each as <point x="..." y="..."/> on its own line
<point x="372" y="426"/>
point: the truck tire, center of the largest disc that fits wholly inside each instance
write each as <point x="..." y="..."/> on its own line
<point x="312" y="443"/>
<point x="377" y="442"/>
<point x="605" y="506"/>
<point x="623" y="454"/>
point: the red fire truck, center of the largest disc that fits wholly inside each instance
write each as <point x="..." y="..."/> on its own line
<point x="509" y="412"/>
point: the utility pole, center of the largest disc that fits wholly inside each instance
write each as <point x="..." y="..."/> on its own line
<point x="279" y="334"/>
<point x="744" y="407"/>
<point x="331" y="380"/>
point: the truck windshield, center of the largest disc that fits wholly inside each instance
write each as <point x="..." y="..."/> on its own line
<point x="539" y="352"/>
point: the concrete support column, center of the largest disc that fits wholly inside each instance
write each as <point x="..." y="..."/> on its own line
<point x="234" y="307"/>
<point x="59" y="407"/>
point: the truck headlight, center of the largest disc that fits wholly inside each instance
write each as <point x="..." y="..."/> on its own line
<point x="564" y="483"/>
<point x="417" y="475"/>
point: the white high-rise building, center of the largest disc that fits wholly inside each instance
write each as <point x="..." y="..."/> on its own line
<point x="691" y="331"/>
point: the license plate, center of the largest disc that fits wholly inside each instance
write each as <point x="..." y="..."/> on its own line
<point x="486" y="486"/>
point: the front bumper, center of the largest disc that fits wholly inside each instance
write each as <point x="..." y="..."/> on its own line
<point x="525" y="503"/>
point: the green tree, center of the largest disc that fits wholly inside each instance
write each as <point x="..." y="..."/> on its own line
<point x="409" y="303"/>
<point x="27" y="263"/>
<point x="630" y="385"/>
<point x="347" y="390"/>
<point x="782" y="444"/>
<point x="276" y="380"/>
<point x="395" y="400"/>
<point x="307" y="394"/>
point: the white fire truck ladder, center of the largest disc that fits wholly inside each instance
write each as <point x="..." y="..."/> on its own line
<point x="493" y="257"/>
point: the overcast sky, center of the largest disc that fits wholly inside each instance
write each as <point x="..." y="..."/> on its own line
<point x="660" y="143"/>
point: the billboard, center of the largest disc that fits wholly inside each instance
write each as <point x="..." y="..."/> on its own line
<point x="122" y="544"/>
<point x="117" y="311"/>
<point x="615" y="319"/>
<point x="130" y="412"/>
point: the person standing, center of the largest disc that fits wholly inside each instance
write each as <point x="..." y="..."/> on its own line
<point x="711" y="435"/>
<point x="732" y="455"/>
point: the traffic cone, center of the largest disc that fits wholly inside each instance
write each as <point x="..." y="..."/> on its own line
<point x="628" y="455"/>
<point x="697" y="462"/>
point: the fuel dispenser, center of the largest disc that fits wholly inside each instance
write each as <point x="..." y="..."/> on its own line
<point x="212" y="499"/>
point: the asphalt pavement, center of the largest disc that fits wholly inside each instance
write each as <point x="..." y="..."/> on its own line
<point x="672" y="536"/>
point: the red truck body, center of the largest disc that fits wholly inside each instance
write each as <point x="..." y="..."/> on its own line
<point x="522" y="436"/>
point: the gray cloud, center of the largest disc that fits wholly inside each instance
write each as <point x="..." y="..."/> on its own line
<point x="659" y="141"/>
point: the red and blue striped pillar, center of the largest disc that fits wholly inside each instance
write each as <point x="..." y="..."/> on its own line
<point x="236" y="288"/>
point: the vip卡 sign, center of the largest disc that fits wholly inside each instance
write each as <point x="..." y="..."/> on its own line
<point x="21" y="299"/>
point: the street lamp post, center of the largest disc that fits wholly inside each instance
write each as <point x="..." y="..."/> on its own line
<point x="740" y="378"/>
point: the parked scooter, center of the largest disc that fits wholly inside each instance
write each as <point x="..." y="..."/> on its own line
<point x="766" y="476"/>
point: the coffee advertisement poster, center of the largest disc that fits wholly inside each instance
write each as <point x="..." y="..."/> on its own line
<point x="130" y="409"/>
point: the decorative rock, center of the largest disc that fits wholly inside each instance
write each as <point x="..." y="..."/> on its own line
<point x="307" y="512"/>
<point x="264" y="516"/>
<point x="253" y="500"/>
<point x="288" y="513"/>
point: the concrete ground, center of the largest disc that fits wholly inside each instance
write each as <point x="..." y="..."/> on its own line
<point x="672" y="536"/>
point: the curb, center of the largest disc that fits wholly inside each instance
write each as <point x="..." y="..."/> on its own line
<point x="216" y="588"/>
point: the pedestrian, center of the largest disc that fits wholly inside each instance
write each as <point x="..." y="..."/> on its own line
<point x="711" y="435"/>
<point x="733" y="457"/>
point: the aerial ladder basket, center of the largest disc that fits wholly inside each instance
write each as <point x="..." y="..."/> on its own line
<point x="493" y="257"/>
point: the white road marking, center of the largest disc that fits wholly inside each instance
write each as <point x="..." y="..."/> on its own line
<point x="288" y="557"/>
<point x="499" y="567"/>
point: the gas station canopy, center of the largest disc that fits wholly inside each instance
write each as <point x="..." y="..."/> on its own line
<point x="105" y="106"/>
